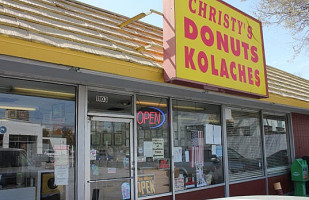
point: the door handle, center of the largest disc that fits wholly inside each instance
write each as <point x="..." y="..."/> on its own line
<point x="106" y="180"/>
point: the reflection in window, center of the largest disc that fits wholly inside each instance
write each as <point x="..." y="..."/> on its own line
<point x="244" y="144"/>
<point x="197" y="145"/>
<point x="37" y="125"/>
<point x="153" y="153"/>
<point x="276" y="143"/>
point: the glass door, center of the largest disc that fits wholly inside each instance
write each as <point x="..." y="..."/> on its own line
<point x="110" y="170"/>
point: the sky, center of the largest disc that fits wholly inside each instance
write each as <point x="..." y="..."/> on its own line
<point x="278" y="41"/>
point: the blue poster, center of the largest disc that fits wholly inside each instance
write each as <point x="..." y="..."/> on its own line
<point x="219" y="151"/>
<point x="95" y="169"/>
<point x="125" y="190"/>
<point x="3" y="129"/>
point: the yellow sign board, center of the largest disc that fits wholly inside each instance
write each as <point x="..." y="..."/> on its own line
<point x="146" y="185"/>
<point x="219" y="46"/>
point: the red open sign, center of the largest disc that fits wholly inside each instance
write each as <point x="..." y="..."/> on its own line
<point x="153" y="117"/>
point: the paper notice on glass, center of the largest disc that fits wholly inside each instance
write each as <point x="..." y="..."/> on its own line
<point x="217" y="135"/>
<point x="61" y="175"/>
<point x="209" y="130"/>
<point x="177" y="154"/>
<point x="158" y="148"/>
<point x="126" y="190"/>
<point x="61" y="164"/>
<point x="228" y="114"/>
<point x="93" y="154"/>
<point x="147" y="149"/>
<point x="61" y="155"/>
<point x="179" y="184"/>
<point x="95" y="170"/>
<point x="200" y="180"/>
<point x="140" y="150"/>
<point x="187" y="156"/>
<point x="111" y="170"/>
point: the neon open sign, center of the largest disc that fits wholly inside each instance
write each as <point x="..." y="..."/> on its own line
<point x="154" y="117"/>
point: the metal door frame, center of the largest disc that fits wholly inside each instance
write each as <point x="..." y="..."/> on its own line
<point x="87" y="152"/>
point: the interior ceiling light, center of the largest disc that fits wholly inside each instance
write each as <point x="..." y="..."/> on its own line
<point x="189" y="108"/>
<point x="17" y="108"/>
<point x="138" y="17"/>
<point x="43" y="93"/>
<point x="145" y="103"/>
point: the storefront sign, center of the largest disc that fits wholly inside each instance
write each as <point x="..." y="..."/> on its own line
<point x="215" y="47"/>
<point x="152" y="117"/>
<point x="145" y="184"/>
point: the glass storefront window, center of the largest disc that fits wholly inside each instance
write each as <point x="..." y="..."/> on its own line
<point x="244" y="144"/>
<point x="276" y="143"/>
<point x="37" y="140"/>
<point x="197" y="145"/>
<point x="153" y="144"/>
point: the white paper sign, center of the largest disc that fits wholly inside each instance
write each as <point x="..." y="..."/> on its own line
<point x="209" y="131"/>
<point x="177" y="154"/>
<point x="187" y="156"/>
<point x="228" y="114"/>
<point x="61" y="164"/>
<point x="200" y="180"/>
<point x="111" y="170"/>
<point x="61" y="155"/>
<point x="61" y="175"/>
<point x="213" y="134"/>
<point x="147" y="149"/>
<point x="179" y="184"/>
<point x="217" y="135"/>
<point x="158" y="147"/>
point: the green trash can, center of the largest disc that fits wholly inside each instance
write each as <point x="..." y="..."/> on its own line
<point x="299" y="171"/>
